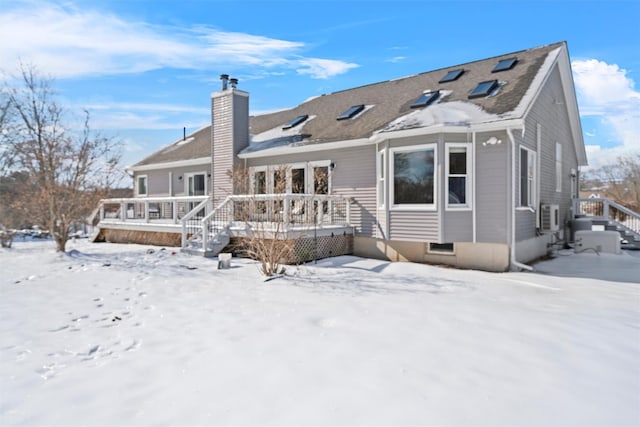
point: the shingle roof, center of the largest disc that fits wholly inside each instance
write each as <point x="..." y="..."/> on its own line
<point x="387" y="103"/>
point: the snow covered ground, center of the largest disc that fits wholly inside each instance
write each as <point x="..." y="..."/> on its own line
<point x="113" y="334"/>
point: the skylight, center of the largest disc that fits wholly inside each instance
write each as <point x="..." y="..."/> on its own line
<point x="484" y="89"/>
<point x="505" y="64"/>
<point x="352" y="111"/>
<point x="425" y="99"/>
<point x="295" y="122"/>
<point x="452" y="75"/>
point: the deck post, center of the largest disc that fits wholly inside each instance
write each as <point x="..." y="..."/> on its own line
<point x="174" y="211"/>
<point x="348" y="202"/>
<point x="285" y="212"/>
<point x="146" y="211"/>
<point x="605" y="208"/>
<point x="123" y="210"/>
<point x="205" y="234"/>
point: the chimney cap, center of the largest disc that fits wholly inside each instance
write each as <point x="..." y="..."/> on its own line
<point x="234" y="82"/>
<point x="224" y="76"/>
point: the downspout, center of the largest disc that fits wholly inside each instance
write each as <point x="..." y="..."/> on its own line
<point x="512" y="247"/>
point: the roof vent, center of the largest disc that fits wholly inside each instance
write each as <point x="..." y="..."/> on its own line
<point x="233" y="82"/>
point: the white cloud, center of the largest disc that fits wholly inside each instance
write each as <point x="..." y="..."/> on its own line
<point x="70" y="42"/>
<point x="396" y="59"/>
<point x="608" y="96"/>
<point x="322" y="68"/>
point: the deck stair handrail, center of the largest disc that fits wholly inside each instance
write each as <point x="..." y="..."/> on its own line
<point x="284" y="212"/>
<point x="606" y="209"/>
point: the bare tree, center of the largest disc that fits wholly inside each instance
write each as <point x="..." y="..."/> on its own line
<point x="68" y="169"/>
<point x="620" y="182"/>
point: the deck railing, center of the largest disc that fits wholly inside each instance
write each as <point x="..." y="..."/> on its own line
<point x="271" y="213"/>
<point x="609" y="210"/>
<point x="149" y="209"/>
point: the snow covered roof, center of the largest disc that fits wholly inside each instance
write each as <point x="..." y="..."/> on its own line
<point x="389" y="106"/>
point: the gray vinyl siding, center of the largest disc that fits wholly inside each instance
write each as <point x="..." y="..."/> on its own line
<point x="354" y="176"/>
<point x="549" y="110"/>
<point x="230" y="134"/>
<point x="493" y="165"/>
<point x="457" y="226"/>
<point x="158" y="181"/>
<point x="414" y="226"/>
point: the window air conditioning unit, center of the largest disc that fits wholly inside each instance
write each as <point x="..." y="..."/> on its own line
<point x="550" y="220"/>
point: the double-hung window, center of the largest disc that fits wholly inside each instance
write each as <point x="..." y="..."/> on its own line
<point x="527" y="178"/>
<point x="458" y="169"/>
<point x="413" y="170"/>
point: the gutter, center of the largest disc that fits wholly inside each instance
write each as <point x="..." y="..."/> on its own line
<point x="512" y="247"/>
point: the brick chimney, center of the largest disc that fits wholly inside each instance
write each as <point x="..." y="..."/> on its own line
<point x="229" y="134"/>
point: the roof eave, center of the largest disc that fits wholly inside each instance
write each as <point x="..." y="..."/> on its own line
<point x="168" y="165"/>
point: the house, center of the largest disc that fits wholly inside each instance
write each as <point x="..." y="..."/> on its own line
<point x="473" y="165"/>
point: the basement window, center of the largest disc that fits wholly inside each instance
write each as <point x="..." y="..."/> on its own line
<point x="505" y="64"/>
<point x="484" y="89"/>
<point x="352" y="111"/>
<point x="295" y="122"/>
<point x="425" y="99"/>
<point x="452" y="75"/>
<point x="441" y="248"/>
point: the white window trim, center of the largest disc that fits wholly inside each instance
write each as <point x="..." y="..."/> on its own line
<point x="413" y="207"/>
<point x="558" y="167"/>
<point x="310" y="174"/>
<point x="186" y="182"/>
<point x="531" y="205"/>
<point x="146" y="185"/>
<point x="252" y="178"/>
<point x="469" y="176"/>
<point x="299" y="165"/>
<point x="440" y="251"/>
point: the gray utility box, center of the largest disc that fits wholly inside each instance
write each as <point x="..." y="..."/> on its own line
<point x="600" y="241"/>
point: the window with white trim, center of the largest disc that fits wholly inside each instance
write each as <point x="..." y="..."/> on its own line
<point x="142" y="185"/>
<point x="458" y="170"/>
<point x="414" y="176"/>
<point x="558" y="167"/>
<point x="527" y="178"/>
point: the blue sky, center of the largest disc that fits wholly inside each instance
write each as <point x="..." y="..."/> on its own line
<point x="146" y="68"/>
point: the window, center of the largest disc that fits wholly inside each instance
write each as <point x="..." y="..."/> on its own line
<point x="558" y="167"/>
<point x="458" y="168"/>
<point x="295" y="122"/>
<point x="505" y="64"/>
<point x="441" y="248"/>
<point x="425" y="99"/>
<point x="260" y="182"/>
<point x="527" y="178"/>
<point x="298" y="181"/>
<point x="142" y="185"/>
<point x="413" y="171"/>
<point x="452" y="75"/>
<point x="195" y="184"/>
<point x="352" y="111"/>
<point x="484" y="89"/>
